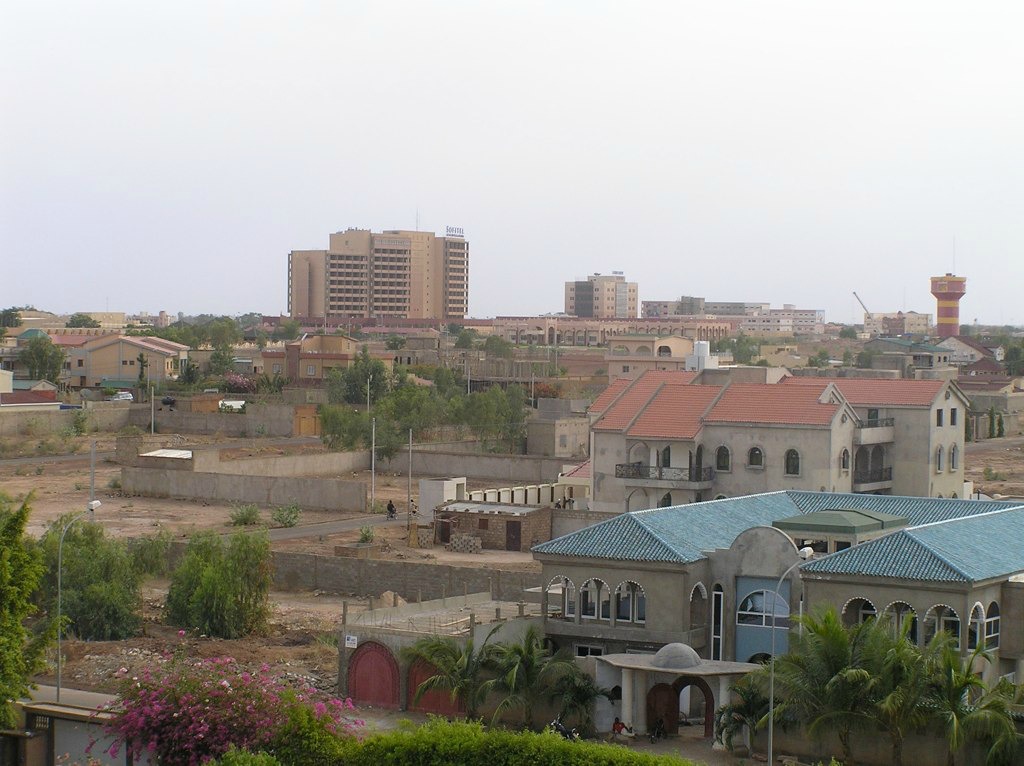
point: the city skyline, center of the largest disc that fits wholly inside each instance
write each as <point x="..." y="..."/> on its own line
<point x="786" y="154"/>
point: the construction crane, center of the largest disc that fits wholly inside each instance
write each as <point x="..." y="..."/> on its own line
<point x="861" y="302"/>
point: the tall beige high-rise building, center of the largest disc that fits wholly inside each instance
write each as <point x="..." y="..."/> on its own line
<point x="602" y="296"/>
<point x="407" y="274"/>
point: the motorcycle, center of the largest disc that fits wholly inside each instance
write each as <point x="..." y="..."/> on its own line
<point x="658" y="731"/>
<point x="569" y="734"/>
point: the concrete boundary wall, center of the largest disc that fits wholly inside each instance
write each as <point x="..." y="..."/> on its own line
<point x="318" y="494"/>
<point x="411" y="580"/>
<point x="257" y="420"/>
<point x="322" y="464"/>
<point x="42" y="423"/>
<point x="514" y="469"/>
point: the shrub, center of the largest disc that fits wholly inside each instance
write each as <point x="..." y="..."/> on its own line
<point x="80" y="423"/>
<point x="245" y="515"/>
<point x="366" y="534"/>
<point x="222" y="589"/>
<point x="286" y="515"/>
<point x="100" y="596"/>
<point x="114" y="483"/>
<point x="149" y="554"/>
<point x="184" y="713"/>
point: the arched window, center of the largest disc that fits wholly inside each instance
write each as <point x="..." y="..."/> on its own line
<point x="954" y="458"/>
<point x="992" y="626"/>
<point x="666" y="500"/>
<point x="562" y="590"/>
<point x="723" y="460"/>
<point x="755" y="457"/>
<point x="903" y="617"/>
<point x="844" y="460"/>
<point x="595" y="600"/>
<point x="858" y="610"/>
<point x="944" y="618"/>
<point x="665" y="457"/>
<point x="938" y="459"/>
<point x="756" y="609"/>
<point x="976" y="629"/>
<point x="792" y="462"/>
<point x="630" y="603"/>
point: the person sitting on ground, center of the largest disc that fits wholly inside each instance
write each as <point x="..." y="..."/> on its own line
<point x="620" y="730"/>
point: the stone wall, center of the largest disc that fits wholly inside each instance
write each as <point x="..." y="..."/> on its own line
<point x="257" y="420"/>
<point x="319" y="464"/>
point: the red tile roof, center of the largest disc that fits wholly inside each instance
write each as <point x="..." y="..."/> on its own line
<point x="632" y="401"/>
<point x="582" y="471"/>
<point x="606" y="397"/>
<point x="767" y="403"/>
<point x="862" y="392"/>
<point x="674" y="412"/>
<point x="70" y="340"/>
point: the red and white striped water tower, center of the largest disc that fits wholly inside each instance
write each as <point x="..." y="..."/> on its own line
<point x="948" y="291"/>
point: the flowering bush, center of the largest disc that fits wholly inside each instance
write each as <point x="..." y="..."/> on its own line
<point x="186" y="712"/>
<point x="238" y="384"/>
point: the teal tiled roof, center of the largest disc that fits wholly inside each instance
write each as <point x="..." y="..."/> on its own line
<point x="966" y="549"/>
<point x="684" y="533"/>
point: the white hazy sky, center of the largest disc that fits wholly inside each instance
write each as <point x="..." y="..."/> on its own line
<point x="169" y="155"/>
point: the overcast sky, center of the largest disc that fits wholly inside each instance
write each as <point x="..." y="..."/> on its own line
<point x="169" y="155"/>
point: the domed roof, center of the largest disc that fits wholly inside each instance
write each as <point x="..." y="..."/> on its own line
<point x="675" y="657"/>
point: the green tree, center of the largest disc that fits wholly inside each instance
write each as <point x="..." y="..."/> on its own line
<point x="823" y="680"/>
<point x="100" y="584"/>
<point x="576" y="692"/>
<point x="223" y="332"/>
<point x="461" y="668"/>
<point x="820" y="359"/>
<point x="21" y="569"/>
<point x="221" y="360"/>
<point x="743" y="715"/>
<point x="143" y="364"/>
<point x="415" y="407"/>
<point x="498" y="347"/>
<point x="289" y="329"/>
<point x="342" y="428"/>
<point x="80" y="319"/>
<point x="9" y="319"/>
<point x="865" y="358"/>
<point x="43" y="359"/>
<point x="527" y="674"/>
<point x="394" y="343"/>
<point x="189" y="375"/>
<point x="848" y="332"/>
<point x="964" y="707"/>
<point x="222" y="589"/>
<point x="352" y="385"/>
<point x="466" y="338"/>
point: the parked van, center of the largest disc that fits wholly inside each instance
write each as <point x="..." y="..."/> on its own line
<point x="123" y="396"/>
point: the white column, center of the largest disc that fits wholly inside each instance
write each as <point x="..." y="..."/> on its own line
<point x="627" y="696"/>
<point x="723" y="692"/>
<point x="641" y="708"/>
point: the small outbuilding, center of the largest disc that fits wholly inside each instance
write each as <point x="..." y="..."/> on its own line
<point x="499" y="526"/>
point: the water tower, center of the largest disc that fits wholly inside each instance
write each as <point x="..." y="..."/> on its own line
<point x="948" y="291"/>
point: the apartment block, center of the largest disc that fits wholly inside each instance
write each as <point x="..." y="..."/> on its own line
<point x="602" y="296"/>
<point x="395" y="273"/>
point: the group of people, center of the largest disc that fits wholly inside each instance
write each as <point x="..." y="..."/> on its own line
<point x="566" y="503"/>
<point x="393" y="511"/>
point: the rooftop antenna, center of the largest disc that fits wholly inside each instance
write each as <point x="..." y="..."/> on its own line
<point x="954" y="253"/>
<point x="417" y="219"/>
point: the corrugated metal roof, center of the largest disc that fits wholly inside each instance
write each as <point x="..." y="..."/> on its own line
<point x="916" y="510"/>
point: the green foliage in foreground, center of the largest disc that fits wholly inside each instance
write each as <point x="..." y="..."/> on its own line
<point x="466" y="744"/>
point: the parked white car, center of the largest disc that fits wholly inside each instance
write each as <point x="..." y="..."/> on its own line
<point x="123" y="396"/>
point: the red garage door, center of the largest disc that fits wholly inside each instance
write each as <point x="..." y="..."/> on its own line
<point x="435" y="701"/>
<point x="373" y="676"/>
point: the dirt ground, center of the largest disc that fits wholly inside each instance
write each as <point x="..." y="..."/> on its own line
<point x="996" y="466"/>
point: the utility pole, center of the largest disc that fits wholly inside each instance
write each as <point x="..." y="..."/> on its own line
<point x="373" y="464"/>
<point x="408" y="497"/>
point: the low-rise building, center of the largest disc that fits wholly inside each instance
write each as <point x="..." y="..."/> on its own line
<point x="669" y="438"/>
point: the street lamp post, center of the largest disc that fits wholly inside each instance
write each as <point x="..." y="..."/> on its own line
<point x="90" y="510"/>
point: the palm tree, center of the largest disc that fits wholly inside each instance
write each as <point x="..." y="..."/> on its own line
<point x="822" y="680"/>
<point x="742" y="716"/>
<point x="905" y="676"/>
<point x="578" y="692"/>
<point x="527" y="673"/>
<point x="964" y="707"/>
<point x="461" y="668"/>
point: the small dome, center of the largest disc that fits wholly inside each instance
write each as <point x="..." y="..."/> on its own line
<point x="675" y="657"/>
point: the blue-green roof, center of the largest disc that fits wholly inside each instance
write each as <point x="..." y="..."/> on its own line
<point x="967" y="549"/>
<point x="914" y="345"/>
<point x="683" y="533"/>
<point x="32" y="332"/>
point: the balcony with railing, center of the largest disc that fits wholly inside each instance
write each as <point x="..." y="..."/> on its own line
<point x="639" y="473"/>
<point x="874" y="431"/>
<point x="869" y="480"/>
